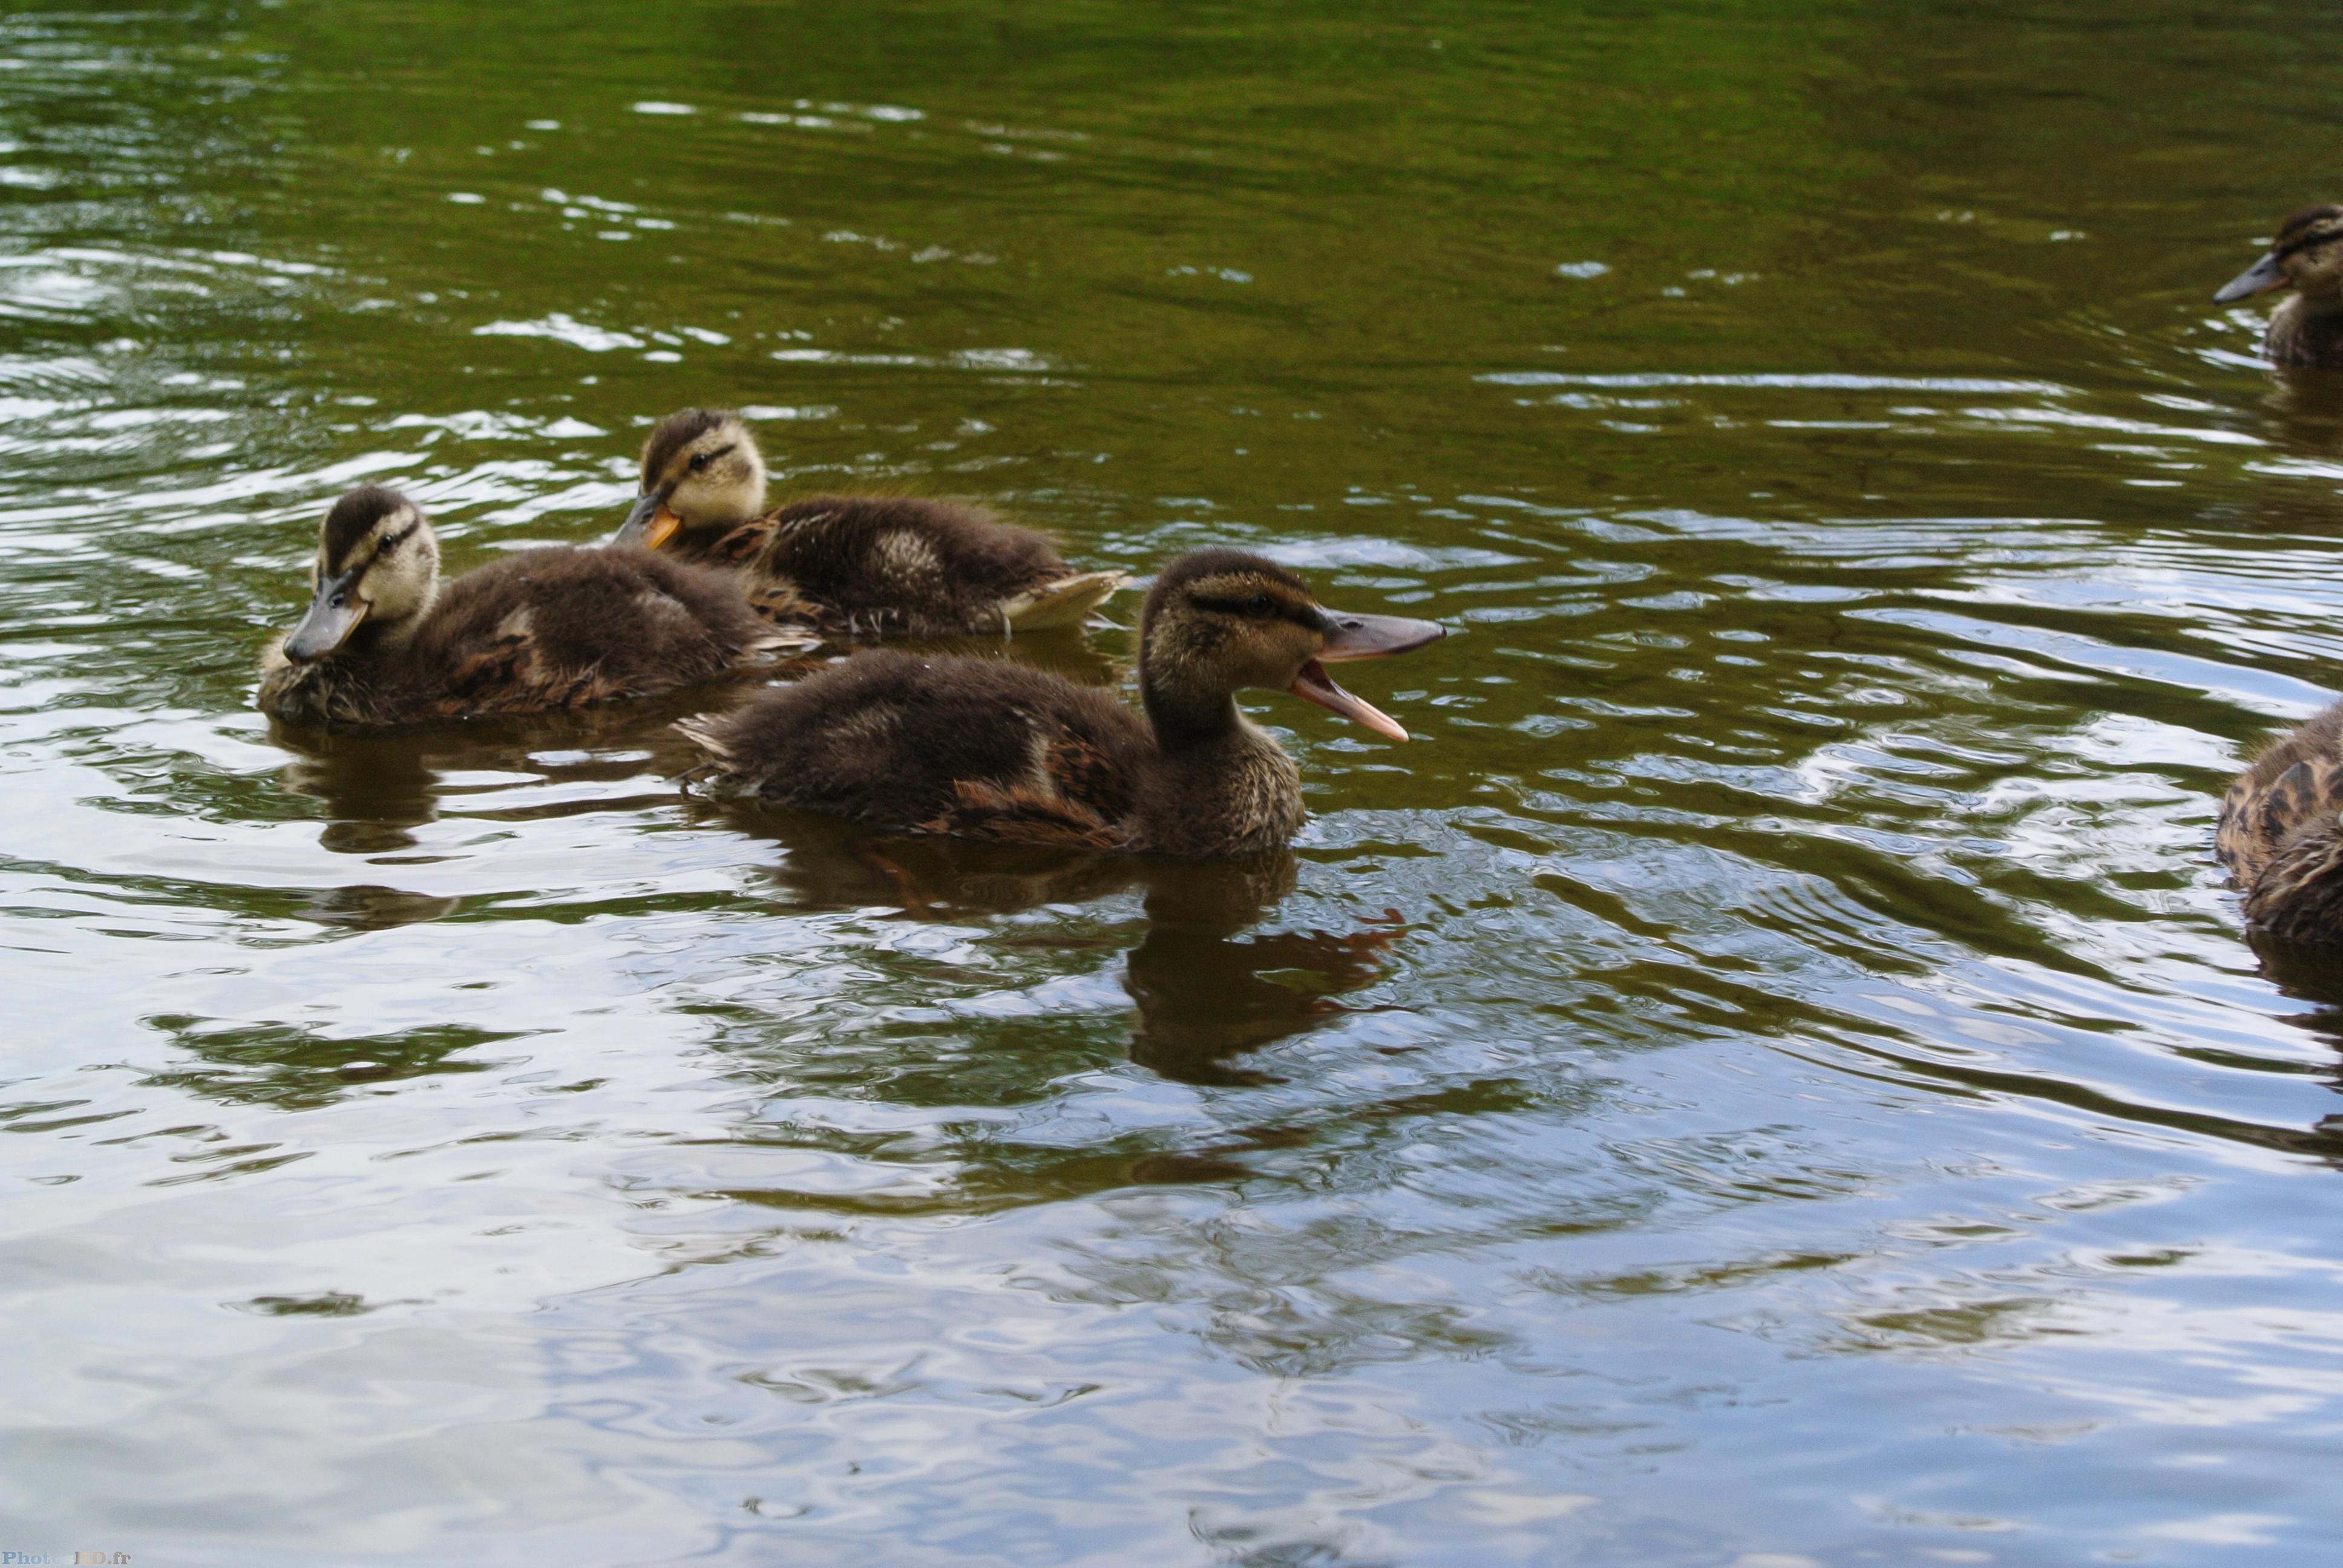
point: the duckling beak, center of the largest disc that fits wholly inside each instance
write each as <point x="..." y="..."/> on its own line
<point x="333" y="615"/>
<point x="651" y="524"/>
<point x="2259" y="278"/>
<point x="1354" y="637"/>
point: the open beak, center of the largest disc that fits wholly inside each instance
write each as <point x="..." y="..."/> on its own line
<point x="1351" y="637"/>
<point x="333" y="615"/>
<point x="2259" y="278"/>
<point x="649" y="525"/>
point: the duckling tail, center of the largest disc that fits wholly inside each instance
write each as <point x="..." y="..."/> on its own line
<point x="786" y="642"/>
<point x="1063" y="602"/>
<point x="705" y="732"/>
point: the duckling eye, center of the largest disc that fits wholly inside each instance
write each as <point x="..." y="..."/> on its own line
<point x="1260" y="604"/>
<point x="698" y="461"/>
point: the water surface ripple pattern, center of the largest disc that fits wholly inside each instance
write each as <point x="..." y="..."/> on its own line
<point x="1771" y="1075"/>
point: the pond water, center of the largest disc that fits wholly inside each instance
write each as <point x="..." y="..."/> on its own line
<point x="1771" y="1075"/>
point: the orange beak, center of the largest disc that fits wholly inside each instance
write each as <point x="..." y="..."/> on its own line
<point x="650" y="525"/>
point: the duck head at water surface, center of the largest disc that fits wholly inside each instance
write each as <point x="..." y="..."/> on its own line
<point x="377" y="570"/>
<point x="2307" y="257"/>
<point x="701" y="473"/>
<point x="1218" y="622"/>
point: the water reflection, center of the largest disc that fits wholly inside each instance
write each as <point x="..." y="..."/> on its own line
<point x="293" y="1068"/>
<point x="1205" y="994"/>
<point x="1206" y="990"/>
<point x="2305" y="412"/>
<point x="1819" y="1011"/>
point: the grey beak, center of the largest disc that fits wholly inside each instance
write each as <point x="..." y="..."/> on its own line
<point x="1350" y="637"/>
<point x="333" y="615"/>
<point x="630" y="532"/>
<point x="2259" y="278"/>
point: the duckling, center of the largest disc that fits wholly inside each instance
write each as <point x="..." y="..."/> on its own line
<point x="988" y="750"/>
<point x="2280" y="836"/>
<point x="385" y="643"/>
<point x="2308" y="328"/>
<point x="850" y="566"/>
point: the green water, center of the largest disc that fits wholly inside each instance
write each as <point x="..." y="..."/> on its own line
<point x="1771" y="1076"/>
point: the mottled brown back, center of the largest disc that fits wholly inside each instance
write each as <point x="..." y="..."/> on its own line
<point x="895" y="565"/>
<point x="932" y="744"/>
<point x="541" y="630"/>
<point x="2279" y="835"/>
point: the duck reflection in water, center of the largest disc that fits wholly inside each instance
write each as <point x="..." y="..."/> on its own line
<point x="1205" y="991"/>
<point x="2314" y="974"/>
<point x="378" y="787"/>
<point x="1204" y="994"/>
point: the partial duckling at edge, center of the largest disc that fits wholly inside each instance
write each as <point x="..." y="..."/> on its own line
<point x="384" y="642"/>
<point x="2281" y="837"/>
<point x="991" y="749"/>
<point x="849" y="566"/>
<point x="2307" y="257"/>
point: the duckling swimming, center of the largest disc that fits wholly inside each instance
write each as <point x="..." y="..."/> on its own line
<point x="2305" y="258"/>
<point x="2280" y="836"/>
<point x="988" y="750"/>
<point x="849" y="566"/>
<point x="385" y="643"/>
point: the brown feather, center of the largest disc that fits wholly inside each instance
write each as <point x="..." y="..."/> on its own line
<point x="985" y="749"/>
<point x="880" y="566"/>
<point x="2280" y="836"/>
<point x="538" y="632"/>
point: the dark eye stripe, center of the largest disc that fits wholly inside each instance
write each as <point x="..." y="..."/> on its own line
<point x="1277" y="608"/>
<point x="2309" y="241"/>
<point x="383" y="547"/>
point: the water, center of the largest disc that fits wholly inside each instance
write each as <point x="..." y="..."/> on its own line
<point x="1771" y="1076"/>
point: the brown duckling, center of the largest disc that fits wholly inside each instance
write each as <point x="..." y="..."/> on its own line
<point x="848" y="566"/>
<point x="2305" y="258"/>
<point x="384" y="642"/>
<point x="2280" y="836"/>
<point x="990" y="749"/>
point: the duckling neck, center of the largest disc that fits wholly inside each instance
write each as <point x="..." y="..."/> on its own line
<point x="1220" y="785"/>
<point x="1184" y="721"/>
<point x="2308" y="330"/>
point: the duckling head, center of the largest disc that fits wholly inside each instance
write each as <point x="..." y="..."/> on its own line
<point x="378" y="566"/>
<point x="2307" y="257"/>
<point x="1220" y="621"/>
<point x="701" y="469"/>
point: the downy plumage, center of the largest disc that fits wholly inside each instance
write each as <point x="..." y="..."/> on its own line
<point x="2307" y="257"/>
<point x="385" y="642"/>
<point x="990" y="749"/>
<point x="2280" y="836"/>
<point x="848" y="566"/>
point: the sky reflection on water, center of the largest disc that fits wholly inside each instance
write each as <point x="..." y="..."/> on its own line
<point x="1770" y="1077"/>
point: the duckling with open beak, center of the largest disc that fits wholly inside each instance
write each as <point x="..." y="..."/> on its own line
<point x="988" y="750"/>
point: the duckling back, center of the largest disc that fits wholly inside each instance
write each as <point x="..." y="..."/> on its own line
<point x="906" y="566"/>
<point x="967" y="746"/>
